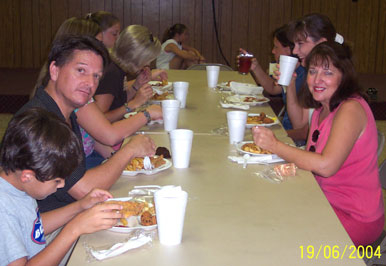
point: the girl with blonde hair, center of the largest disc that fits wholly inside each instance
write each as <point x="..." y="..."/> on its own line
<point x="131" y="56"/>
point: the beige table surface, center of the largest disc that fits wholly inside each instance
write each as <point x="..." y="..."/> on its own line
<point x="203" y="113"/>
<point x="233" y="217"/>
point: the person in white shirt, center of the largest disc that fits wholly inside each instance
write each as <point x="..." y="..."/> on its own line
<point x="175" y="53"/>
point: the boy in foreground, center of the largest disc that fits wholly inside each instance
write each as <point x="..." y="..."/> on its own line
<point x="37" y="152"/>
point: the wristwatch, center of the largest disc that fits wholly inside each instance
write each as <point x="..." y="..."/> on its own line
<point x="128" y="109"/>
<point x="147" y="115"/>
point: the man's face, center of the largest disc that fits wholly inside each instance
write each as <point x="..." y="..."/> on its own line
<point x="77" y="80"/>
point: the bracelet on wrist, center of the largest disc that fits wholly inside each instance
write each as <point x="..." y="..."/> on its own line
<point x="128" y="109"/>
<point x="147" y="115"/>
<point x="134" y="88"/>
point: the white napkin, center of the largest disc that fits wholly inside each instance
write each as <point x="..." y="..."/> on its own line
<point x="120" y="248"/>
<point x="234" y="105"/>
<point x="256" y="159"/>
<point x="245" y="88"/>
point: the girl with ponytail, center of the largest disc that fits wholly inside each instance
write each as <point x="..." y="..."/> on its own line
<point x="175" y="53"/>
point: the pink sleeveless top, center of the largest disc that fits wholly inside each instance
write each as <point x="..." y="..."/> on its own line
<point x="355" y="188"/>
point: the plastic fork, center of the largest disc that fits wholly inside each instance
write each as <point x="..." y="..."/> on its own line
<point x="147" y="163"/>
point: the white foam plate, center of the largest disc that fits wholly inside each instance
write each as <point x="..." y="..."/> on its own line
<point x="127" y="229"/>
<point x="274" y="118"/>
<point x="163" y="167"/>
<point x="241" y="99"/>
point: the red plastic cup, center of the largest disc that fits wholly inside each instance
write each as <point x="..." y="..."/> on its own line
<point x="245" y="61"/>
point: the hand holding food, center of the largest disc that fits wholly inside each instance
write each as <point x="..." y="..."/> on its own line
<point x="143" y="94"/>
<point x="99" y="217"/>
<point x="143" y="77"/>
<point x="158" y="74"/>
<point x="93" y="197"/>
<point x="141" y="146"/>
<point x="264" y="138"/>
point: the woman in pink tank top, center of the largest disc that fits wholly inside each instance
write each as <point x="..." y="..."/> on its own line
<point x="342" y="142"/>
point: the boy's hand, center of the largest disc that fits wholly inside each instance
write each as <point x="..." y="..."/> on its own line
<point x="100" y="217"/>
<point x="93" y="197"/>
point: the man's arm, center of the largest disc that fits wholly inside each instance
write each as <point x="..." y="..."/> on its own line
<point x="106" y="174"/>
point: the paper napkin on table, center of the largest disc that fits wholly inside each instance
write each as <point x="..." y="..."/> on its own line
<point x="256" y="159"/>
<point x="234" y="105"/>
<point x="120" y="248"/>
<point x="245" y="88"/>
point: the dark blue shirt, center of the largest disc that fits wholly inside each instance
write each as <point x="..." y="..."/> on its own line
<point x="301" y="75"/>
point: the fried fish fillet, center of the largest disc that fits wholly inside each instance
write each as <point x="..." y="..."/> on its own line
<point x="253" y="148"/>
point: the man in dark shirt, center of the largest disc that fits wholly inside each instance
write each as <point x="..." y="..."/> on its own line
<point x="75" y="66"/>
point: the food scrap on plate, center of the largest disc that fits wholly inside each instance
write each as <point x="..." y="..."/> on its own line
<point x="135" y="213"/>
<point x="253" y="148"/>
<point x="261" y="118"/>
<point x="137" y="163"/>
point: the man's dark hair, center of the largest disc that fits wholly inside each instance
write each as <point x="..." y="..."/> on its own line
<point x="38" y="140"/>
<point x="63" y="48"/>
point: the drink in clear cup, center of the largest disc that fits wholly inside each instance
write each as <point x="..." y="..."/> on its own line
<point x="170" y="212"/>
<point x="181" y="146"/>
<point x="212" y="73"/>
<point x="245" y="61"/>
<point x="287" y="68"/>
<point x="180" y="89"/>
<point x="236" y="125"/>
<point x="170" y="110"/>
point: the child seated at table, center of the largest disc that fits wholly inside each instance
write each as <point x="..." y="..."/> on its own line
<point x="175" y="53"/>
<point x="37" y="152"/>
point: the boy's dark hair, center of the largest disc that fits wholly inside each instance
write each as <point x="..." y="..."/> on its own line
<point x="38" y="140"/>
<point x="340" y="56"/>
<point x="63" y="48"/>
<point x="281" y="34"/>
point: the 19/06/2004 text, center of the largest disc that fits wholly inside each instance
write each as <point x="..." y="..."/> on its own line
<point x="337" y="252"/>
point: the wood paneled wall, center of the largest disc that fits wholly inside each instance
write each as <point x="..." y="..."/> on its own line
<point x="27" y="26"/>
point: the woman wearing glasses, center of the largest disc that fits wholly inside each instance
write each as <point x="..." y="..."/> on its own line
<point x="118" y="93"/>
<point x="342" y="142"/>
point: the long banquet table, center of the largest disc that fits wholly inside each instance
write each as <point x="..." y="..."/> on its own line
<point x="233" y="217"/>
